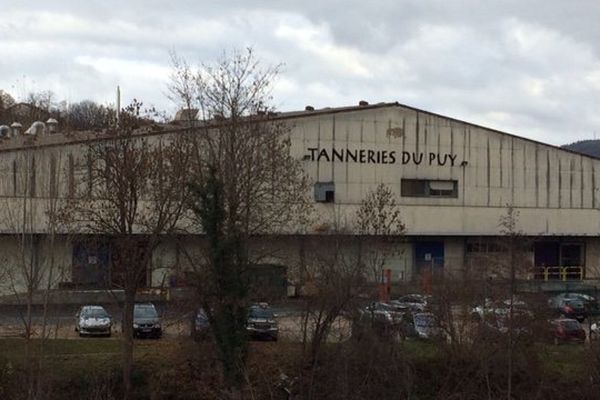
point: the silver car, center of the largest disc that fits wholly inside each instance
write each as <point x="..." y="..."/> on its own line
<point x="92" y="321"/>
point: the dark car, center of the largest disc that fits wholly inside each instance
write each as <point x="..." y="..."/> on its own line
<point x="261" y="323"/>
<point x="565" y="330"/>
<point x="572" y="309"/>
<point x="383" y="322"/>
<point x="200" y="325"/>
<point x="93" y="320"/>
<point x="146" y="322"/>
<point x="589" y="302"/>
<point x="427" y="326"/>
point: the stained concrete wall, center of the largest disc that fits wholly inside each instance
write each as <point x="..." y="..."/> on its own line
<point x="553" y="190"/>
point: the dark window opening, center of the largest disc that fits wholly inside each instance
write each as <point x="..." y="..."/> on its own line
<point x="429" y="188"/>
<point x="325" y="192"/>
<point x="329" y="196"/>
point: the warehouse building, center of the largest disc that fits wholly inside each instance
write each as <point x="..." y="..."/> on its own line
<point x="454" y="182"/>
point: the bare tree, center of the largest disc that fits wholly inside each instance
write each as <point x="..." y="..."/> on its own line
<point x="88" y="115"/>
<point x="247" y="184"/>
<point x="30" y="275"/>
<point x="6" y="100"/>
<point x="378" y="217"/>
<point x="135" y="193"/>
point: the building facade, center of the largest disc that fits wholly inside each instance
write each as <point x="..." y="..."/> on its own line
<point x="454" y="182"/>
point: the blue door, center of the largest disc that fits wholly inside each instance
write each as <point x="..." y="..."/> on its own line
<point x="91" y="264"/>
<point x="429" y="256"/>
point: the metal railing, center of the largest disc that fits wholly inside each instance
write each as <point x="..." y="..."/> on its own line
<point x="565" y="273"/>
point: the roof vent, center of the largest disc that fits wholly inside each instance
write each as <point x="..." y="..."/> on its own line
<point x="186" y="114"/>
<point x="52" y="125"/>
<point x="363" y="103"/>
<point x="16" y="128"/>
<point x="37" y="128"/>
<point x="4" y="131"/>
<point x="309" y="108"/>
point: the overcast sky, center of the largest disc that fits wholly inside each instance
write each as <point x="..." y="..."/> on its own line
<point x="527" y="67"/>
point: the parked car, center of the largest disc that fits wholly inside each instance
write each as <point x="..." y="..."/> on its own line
<point x="93" y="320"/>
<point x="200" y="325"/>
<point x="572" y="309"/>
<point x="499" y="309"/>
<point x="590" y="302"/>
<point x="415" y="302"/>
<point x="146" y="322"/>
<point x="395" y="311"/>
<point x="427" y="326"/>
<point x="567" y="330"/>
<point x="384" y="321"/>
<point x="261" y="323"/>
<point x="586" y="298"/>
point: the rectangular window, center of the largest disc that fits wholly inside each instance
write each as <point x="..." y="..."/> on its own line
<point x="325" y="192"/>
<point x="429" y="188"/>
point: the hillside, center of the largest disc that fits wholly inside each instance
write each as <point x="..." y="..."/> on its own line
<point x="589" y="147"/>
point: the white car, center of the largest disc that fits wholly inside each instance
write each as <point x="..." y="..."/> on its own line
<point x="92" y="321"/>
<point x="415" y="302"/>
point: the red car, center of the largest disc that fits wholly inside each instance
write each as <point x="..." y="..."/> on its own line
<point x="567" y="330"/>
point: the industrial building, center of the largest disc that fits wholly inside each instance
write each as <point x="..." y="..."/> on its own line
<point x="453" y="180"/>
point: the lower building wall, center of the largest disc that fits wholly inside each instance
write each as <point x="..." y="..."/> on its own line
<point x="33" y="261"/>
<point x="304" y="258"/>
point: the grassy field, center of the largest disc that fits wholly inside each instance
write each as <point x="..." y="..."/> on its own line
<point x="184" y="367"/>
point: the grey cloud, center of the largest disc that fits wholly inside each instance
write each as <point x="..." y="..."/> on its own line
<point x="529" y="67"/>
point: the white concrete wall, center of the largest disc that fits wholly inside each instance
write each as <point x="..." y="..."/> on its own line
<point x="554" y="190"/>
<point x="43" y="262"/>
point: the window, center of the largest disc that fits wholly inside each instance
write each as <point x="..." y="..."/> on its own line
<point x="428" y="188"/>
<point x="485" y="246"/>
<point x="325" y="192"/>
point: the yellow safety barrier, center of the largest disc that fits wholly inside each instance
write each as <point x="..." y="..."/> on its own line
<point x="567" y="273"/>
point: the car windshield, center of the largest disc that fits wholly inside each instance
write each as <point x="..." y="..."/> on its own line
<point x="262" y="313"/>
<point x="424" y="320"/>
<point x="574" y="303"/>
<point x="94" y="313"/>
<point x="144" y="312"/>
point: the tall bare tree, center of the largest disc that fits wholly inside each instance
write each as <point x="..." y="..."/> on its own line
<point x="29" y="275"/>
<point x="247" y="184"/>
<point x="135" y="194"/>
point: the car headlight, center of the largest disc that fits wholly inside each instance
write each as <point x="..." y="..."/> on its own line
<point x="135" y="326"/>
<point x="157" y="325"/>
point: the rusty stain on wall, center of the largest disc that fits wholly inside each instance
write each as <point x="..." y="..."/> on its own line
<point x="397" y="132"/>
